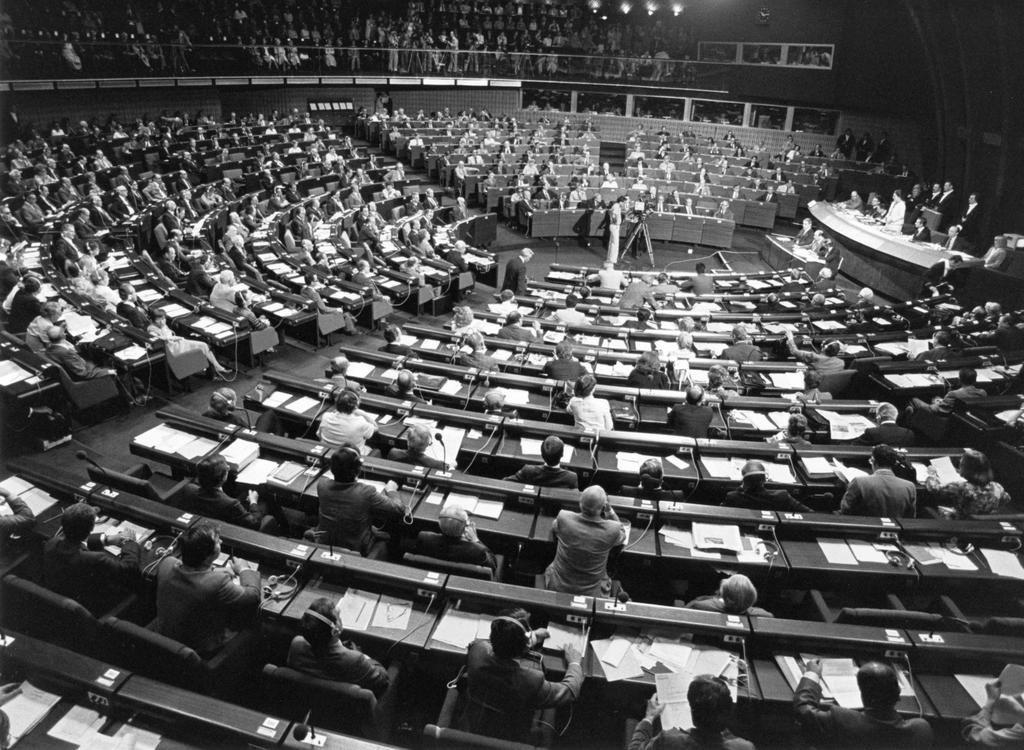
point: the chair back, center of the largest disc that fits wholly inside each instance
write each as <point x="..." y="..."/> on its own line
<point x="896" y="618"/>
<point x="34" y="610"/>
<point x="337" y="706"/>
<point x="837" y="382"/>
<point x="447" y="566"/>
<point x="156" y="656"/>
<point x="124" y="482"/>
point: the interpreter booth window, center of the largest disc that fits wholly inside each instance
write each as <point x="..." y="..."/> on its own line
<point x="547" y="100"/>
<point x="601" y="104"/>
<point x="659" y="106"/>
<point x="762" y="54"/>
<point x="767" y="116"/>
<point x="720" y="113"/>
<point x="821" y="121"/>
<point x="721" y="52"/>
<point x="810" y="55"/>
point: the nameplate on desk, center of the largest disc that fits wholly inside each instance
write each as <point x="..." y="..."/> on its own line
<point x="733" y="621"/>
<point x="87" y="488"/>
<point x="432" y="577"/>
<point x="443" y="474"/>
<point x="931" y="638"/>
<point x="893" y="636"/>
<point x="268" y="728"/>
<point x="333" y="556"/>
<point x="1007" y="526"/>
<point x="793" y="516"/>
<point x="185" y="518"/>
<point x="299" y="550"/>
<point x="767" y="514"/>
<point x="887" y="521"/>
<point x="6" y="640"/>
<point x="107" y="678"/>
<point x="614" y="606"/>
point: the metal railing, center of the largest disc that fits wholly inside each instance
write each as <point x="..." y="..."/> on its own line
<point x="50" y="59"/>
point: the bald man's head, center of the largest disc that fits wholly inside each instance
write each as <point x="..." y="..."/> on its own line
<point x="593" y="500"/>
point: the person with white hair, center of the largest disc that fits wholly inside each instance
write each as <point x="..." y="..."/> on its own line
<point x="865" y="298"/>
<point x="736" y="596"/>
<point x="585" y="539"/>
<point x="458" y="541"/>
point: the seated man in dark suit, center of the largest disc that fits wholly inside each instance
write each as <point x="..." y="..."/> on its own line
<point x="207" y="498"/>
<point x="457" y="541"/>
<point x="513" y="329"/>
<point x="564" y="366"/>
<point x="710" y="709"/>
<point x="743" y="349"/>
<point x="652" y="476"/>
<point x="129" y="308"/>
<point x="753" y="494"/>
<point x="319" y="651"/>
<point x="887" y="431"/>
<point x="418" y="439"/>
<point x="882" y="493"/>
<point x="946" y="405"/>
<point x="877" y="725"/>
<point x="939" y="348"/>
<point x="693" y="417"/>
<point x="406" y="387"/>
<point x="197" y="604"/>
<point x="64" y="353"/>
<point x="76" y="565"/>
<point x="551" y="473"/>
<point x="393" y="337"/>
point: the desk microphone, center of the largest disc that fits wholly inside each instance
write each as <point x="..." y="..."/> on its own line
<point x="83" y="456"/>
<point x="440" y="438"/>
<point x="304" y="730"/>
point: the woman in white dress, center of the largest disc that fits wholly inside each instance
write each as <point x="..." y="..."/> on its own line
<point x="175" y="345"/>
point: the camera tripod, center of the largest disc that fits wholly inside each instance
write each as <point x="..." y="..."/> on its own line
<point x="636" y="234"/>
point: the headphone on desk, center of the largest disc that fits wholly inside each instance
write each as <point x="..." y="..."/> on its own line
<point x="899" y="559"/>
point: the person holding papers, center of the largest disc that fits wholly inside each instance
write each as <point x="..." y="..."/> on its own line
<point x="348" y="507"/>
<point x="550" y="473"/>
<point x="457" y="542"/>
<point x="585" y="540"/>
<point x="754" y="495"/>
<point x="206" y="497"/>
<point x="195" y="601"/>
<point x="999" y="723"/>
<point x="736" y="596"/>
<point x="319" y="651"/>
<point x="877" y="725"/>
<point x="826" y="361"/>
<point x="710" y="705"/>
<point x="882" y="493"/>
<point x="77" y="565"/>
<point x="887" y="431"/>
<point x="503" y="690"/>
<point x="15" y="515"/>
<point x="794" y="434"/>
<point x="975" y="492"/>
<point x="346" y="423"/>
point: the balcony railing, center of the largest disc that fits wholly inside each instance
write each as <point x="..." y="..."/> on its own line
<point x="52" y="59"/>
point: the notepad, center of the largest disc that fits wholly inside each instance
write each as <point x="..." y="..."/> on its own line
<point x="1003" y="563"/>
<point x="461" y="628"/>
<point x="355" y="609"/>
<point x="359" y="369"/>
<point x="710" y="536"/>
<point x="287" y="472"/>
<point x="302" y="405"/>
<point x="78" y="722"/>
<point x="276" y="399"/>
<point x="392" y="613"/>
<point x="945" y="470"/>
<point x="779" y="473"/>
<point x="450" y="387"/>
<point x="27" y="709"/>
<point x="787" y="381"/>
<point x="257" y="472"/>
<point x="837" y="552"/>
<point x="488" y="509"/>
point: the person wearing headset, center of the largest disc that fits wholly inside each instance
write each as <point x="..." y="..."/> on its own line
<point x="585" y="539"/>
<point x="348" y="507"/>
<point x="418" y="439"/>
<point x="224" y="408"/>
<point x="346" y="423"/>
<point x="207" y="497"/>
<point x="589" y="412"/>
<point x="502" y="690"/>
<point x="195" y="602"/>
<point x="457" y="541"/>
<point x="319" y="651"/>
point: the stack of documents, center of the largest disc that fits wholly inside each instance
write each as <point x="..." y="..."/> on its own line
<point x="461" y="628"/>
<point x="12" y="372"/>
<point x="240" y="453"/>
<point x="845" y="426"/>
<point x="164" y="438"/>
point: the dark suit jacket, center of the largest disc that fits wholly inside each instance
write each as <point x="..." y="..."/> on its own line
<point x="690" y="421"/>
<point x="25" y="307"/>
<point x="889" y="433"/>
<point x="416" y="459"/>
<point x="456" y="259"/>
<point x="447" y="548"/>
<point x="73" y="363"/>
<point x="924" y="234"/>
<point x="133" y="315"/>
<point x="219" y="505"/>
<point x="881" y="494"/>
<point x="516" y="333"/>
<point x="560" y="369"/>
<point x="836" y="726"/>
<point x="779" y="500"/>
<point x="743" y="352"/>
<point x="515" y="276"/>
<point x="543" y="475"/>
<point x="90" y="575"/>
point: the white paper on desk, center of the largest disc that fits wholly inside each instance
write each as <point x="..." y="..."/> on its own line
<point x="629" y="462"/>
<point x="12" y="372"/>
<point x="616" y="651"/>
<point x="837" y="552"/>
<point x="78" y="722"/>
<point x="713" y="536"/>
<point x="845" y="426"/>
<point x="450" y="387"/>
<point x="489" y="509"/>
<point x="38" y="501"/>
<point x="1003" y="563"/>
<point x="758" y="421"/>
<point x="155" y="437"/>
<point x="720" y="468"/>
<point x="847" y="473"/>
<point x="628" y="667"/>
<point x="358" y="369"/>
<point x="779" y="419"/>
<point x="840" y="675"/>
<point x="974" y="686"/>
<point x="560" y="636"/>
<point x="671" y="653"/>
<point x="677" y="537"/>
<point x="392" y="613"/>
<point x="16" y="485"/>
<point x="302" y="404"/>
<point x="779" y="473"/>
<point x="529" y="446"/>
<point x="355" y="609"/>
<point x="945" y="470"/>
<point x="791" y="670"/>
<point x="677" y="462"/>
<point x="468" y="502"/>
<point x="277" y="398"/>
<point x="866" y="553"/>
<point x="459" y="628"/>
<point x="672" y="689"/>
<point x="27" y="709"/>
<point x="817" y="465"/>
<point x="787" y="381"/>
<point x="502" y="355"/>
<point x="257" y="472"/>
<point x="954" y="561"/>
<point x="144" y="740"/>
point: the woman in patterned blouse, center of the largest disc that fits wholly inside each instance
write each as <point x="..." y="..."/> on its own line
<point x="976" y="493"/>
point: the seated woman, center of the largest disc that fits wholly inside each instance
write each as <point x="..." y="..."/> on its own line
<point x="794" y="434"/>
<point x="418" y="439"/>
<point x="736" y="596"/>
<point x="177" y="346"/>
<point x="462" y="320"/>
<point x="457" y="541"/>
<point x="229" y="295"/>
<point x="589" y="412"/>
<point x="721" y="383"/>
<point x="977" y="493"/>
<point x="811" y="393"/>
<point x="320" y="652"/>
<point x="648" y="373"/>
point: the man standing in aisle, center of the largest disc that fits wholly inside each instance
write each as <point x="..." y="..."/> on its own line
<point x="614" y="227"/>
